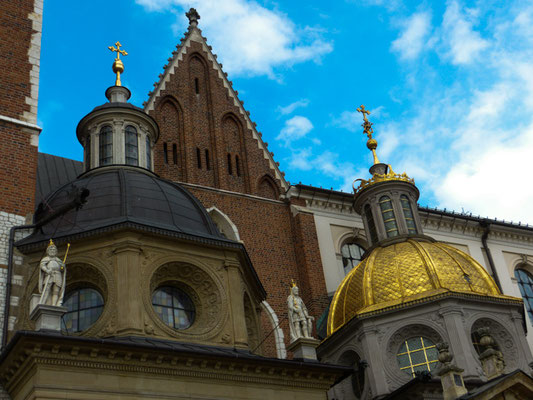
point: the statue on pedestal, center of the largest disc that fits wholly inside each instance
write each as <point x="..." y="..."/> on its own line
<point x="52" y="277"/>
<point x="300" y="322"/>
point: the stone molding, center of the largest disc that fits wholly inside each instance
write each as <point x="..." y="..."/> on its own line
<point x="34" y="352"/>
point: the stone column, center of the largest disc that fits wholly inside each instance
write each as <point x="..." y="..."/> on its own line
<point x="235" y="294"/>
<point x="373" y="352"/>
<point x="459" y="339"/>
<point x="129" y="307"/>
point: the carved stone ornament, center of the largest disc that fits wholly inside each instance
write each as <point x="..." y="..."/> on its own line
<point x="300" y="322"/>
<point x="205" y="291"/>
<point x="502" y="339"/>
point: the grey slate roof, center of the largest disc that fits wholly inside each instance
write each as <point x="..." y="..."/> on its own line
<point x="120" y="195"/>
<point x="53" y="172"/>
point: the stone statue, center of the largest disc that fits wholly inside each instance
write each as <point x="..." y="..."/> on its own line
<point x="52" y="277"/>
<point x="300" y="322"/>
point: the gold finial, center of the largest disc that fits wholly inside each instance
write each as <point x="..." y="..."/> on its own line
<point x="118" y="67"/>
<point x="293" y="284"/>
<point x="51" y="243"/>
<point x="372" y="143"/>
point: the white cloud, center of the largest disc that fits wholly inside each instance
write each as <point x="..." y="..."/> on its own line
<point x="295" y="128"/>
<point x="250" y="39"/>
<point x="300" y="160"/>
<point x="293" y="106"/>
<point x="463" y="42"/>
<point x="413" y="37"/>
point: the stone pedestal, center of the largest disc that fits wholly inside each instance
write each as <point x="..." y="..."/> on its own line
<point x="304" y="349"/>
<point x="47" y="317"/>
<point x="452" y="382"/>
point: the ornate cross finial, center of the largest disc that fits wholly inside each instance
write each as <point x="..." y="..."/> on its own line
<point x="372" y="143"/>
<point x="367" y="125"/>
<point x="193" y="16"/>
<point x="118" y="67"/>
<point x="117" y="49"/>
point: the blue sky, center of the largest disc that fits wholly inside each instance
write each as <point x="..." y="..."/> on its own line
<point x="450" y="85"/>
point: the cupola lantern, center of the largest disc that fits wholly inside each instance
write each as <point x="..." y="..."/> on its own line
<point x="387" y="201"/>
<point x="118" y="133"/>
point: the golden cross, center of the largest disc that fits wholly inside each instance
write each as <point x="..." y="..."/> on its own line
<point x="117" y="49"/>
<point x="362" y="110"/>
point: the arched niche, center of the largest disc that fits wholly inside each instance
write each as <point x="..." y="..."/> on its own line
<point x="224" y="224"/>
<point x="266" y="187"/>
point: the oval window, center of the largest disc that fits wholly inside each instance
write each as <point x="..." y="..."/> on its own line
<point x="84" y="307"/>
<point x="417" y="354"/>
<point x="174" y="307"/>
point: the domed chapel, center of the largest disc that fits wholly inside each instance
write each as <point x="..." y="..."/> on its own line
<point x="176" y="261"/>
<point x="413" y="304"/>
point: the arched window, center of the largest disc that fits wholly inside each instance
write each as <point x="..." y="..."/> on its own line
<point x="106" y="145"/>
<point x="174" y="153"/>
<point x="174" y="307"/>
<point x="408" y="214"/>
<point x="165" y="152"/>
<point x="132" y="146"/>
<point x="525" y="283"/>
<point x="198" y="158"/>
<point x="88" y="152"/>
<point x="148" y="153"/>
<point x="389" y="219"/>
<point x="371" y="224"/>
<point x="237" y="166"/>
<point x="207" y="164"/>
<point x="417" y="354"/>
<point x="84" y="306"/>
<point x="230" y="171"/>
<point x="351" y="256"/>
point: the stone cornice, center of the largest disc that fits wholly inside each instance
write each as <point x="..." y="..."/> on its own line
<point x="30" y="350"/>
<point x="339" y="204"/>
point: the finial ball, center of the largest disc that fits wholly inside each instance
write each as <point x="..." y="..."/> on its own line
<point x="372" y="144"/>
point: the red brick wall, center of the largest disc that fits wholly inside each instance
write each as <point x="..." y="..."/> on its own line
<point x="195" y="111"/>
<point x="18" y="166"/>
<point x="18" y="161"/>
<point x="269" y="232"/>
<point x="15" y="35"/>
<point x="210" y="121"/>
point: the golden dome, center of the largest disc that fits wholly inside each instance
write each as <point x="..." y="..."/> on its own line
<point x="404" y="272"/>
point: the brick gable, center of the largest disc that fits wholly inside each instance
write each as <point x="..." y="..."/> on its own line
<point x="206" y="134"/>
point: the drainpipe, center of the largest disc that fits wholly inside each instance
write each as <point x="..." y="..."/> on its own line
<point x="486" y="226"/>
<point x="79" y="198"/>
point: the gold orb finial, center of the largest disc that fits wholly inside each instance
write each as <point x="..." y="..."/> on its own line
<point x="118" y="66"/>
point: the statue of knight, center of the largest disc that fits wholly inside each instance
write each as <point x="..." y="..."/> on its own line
<point x="52" y="277"/>
<point x="300" y="322"/>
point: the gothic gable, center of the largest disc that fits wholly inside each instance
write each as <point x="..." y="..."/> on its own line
<point x="207" y="137"/>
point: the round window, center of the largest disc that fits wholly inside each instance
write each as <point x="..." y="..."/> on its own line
<point x="174" y="307"/>
<point x="84" y="307"/>
<point x="417" y="354"/>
